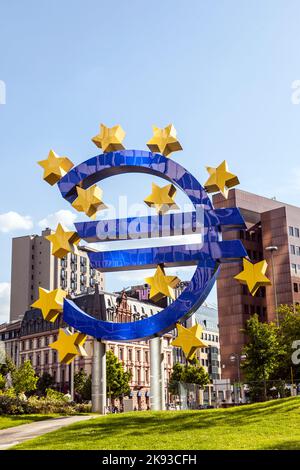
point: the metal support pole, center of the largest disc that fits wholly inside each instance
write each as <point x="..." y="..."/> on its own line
<point x="274" y="288"/>
<point x="99" y="378"/>
<point x="72" y="372"/>
<point x="156" y="375"/>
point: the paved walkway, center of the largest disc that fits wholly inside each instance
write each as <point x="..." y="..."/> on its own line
<point x="13" y="436"/>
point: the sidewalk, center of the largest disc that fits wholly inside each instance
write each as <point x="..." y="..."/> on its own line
<point x="12" y="436"/>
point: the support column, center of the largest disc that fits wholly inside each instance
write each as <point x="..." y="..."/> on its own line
<point x="99" y="377"/>
<point x="157" y="383"/>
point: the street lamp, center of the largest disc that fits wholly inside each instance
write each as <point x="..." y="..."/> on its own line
<point x="234" y="357"/>
<point x="272" y="249"/>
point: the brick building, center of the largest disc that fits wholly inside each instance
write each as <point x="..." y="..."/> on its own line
<point x="269" y="223"/>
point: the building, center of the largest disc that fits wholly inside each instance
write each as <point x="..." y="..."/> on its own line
<point x="269" y="223"/>
<point x="29" y="339"/>
<point x="206" y="316"/>
<point x="34" y="266"/>
<point x="209" y="357"/>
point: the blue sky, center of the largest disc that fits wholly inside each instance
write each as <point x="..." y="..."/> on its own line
<point x="221" y="71"/>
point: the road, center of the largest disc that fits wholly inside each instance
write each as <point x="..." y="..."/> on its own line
<point x="13" y="436"/>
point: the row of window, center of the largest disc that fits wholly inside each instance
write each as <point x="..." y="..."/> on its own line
<point x="210" y="337"/>
<point x="30" y="344"/>
<point x="252" y="309"/>
<point x="295" y="250"/>
<point x="294" y="232"/>
<point x="295" y="268"/>
<point x="38" y="358"/>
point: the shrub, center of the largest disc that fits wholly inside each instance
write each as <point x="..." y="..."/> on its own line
<point x="53" y="402"/>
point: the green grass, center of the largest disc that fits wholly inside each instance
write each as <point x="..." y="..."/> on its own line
<point x="269" y="425"/>
<point x="9" y="421"/>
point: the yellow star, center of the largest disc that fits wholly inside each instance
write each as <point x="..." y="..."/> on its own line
<point x="50" y="303"/>
<point x="164" y="140"/>
<point x="69" y="345"/>
<point x="161" y="285"/>
<point x="55" y="167"/>
<point x="162" y="198"/>
<point x="89" y="201"/>
<point x="110" y="138"/>
<point x="63" y="242"/>
<point x="253" y="275"/>
<point x="220" y="179"/>
<point x="189" y="339"/>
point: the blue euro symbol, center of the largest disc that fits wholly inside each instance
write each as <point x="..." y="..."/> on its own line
<point x="207" y="255"/>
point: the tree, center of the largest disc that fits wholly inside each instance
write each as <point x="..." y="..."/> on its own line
<point x="289" y="333"/>
<point x="117" y="379"/>
<point x="45" y="381"/>
<point x="7" y="367"/>
<point x="24" y="378"/>
<point x="263" y="352"/>
<point x="83" y="385"/>
<point x="2" y="382"/>
<point x="192" y="373"/>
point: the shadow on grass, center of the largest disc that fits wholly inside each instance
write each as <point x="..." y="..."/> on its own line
<point x="166" y="425"/>
<point x="284" y="445"/>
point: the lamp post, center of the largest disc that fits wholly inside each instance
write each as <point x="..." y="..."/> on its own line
<point x="234" y="357"/>
<point x="273" y="249"/>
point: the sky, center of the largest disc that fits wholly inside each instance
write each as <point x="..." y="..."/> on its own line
<point x="225" y="73"/>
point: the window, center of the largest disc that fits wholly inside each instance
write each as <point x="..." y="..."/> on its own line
<point x="292" y="249"/>
<point x="298" y="250"/>
<point x="129" y="354"/>
<point x="294" y="268"/>
<point x="291" y="231"/>
<point x="138" y="376"/>
<point x="169" y="359"/>
<point x="146" y="356"/>
<point x="138" y="355"/>
<point x="121" y="355"/>
<point x="296" y="232"/>
<point x="295" y="287"/>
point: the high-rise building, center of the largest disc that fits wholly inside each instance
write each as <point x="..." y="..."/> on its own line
<point x="269" y="223"/>
<point x="34" y="266"/>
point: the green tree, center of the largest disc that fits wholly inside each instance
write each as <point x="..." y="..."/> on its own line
<point x="288" y="333"/>
<point x="175" y="378"/>
<point x="7" y="367"/>
<point x="45" y="381"/>
<point x="263" y="352"/>
<point x="24" y="378"/>
<point x="117" y="379"/>
<point x="192" y="373"/>
<point x="83" y="385"/>
<point x="2" y="382"/>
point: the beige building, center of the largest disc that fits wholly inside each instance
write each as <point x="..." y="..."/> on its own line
<point x="29" y="339"/>
<point x="34" y="266"/>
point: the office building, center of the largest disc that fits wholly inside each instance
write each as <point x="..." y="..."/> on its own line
<point x="34" y="266"/>
<point x="269" y="223"/>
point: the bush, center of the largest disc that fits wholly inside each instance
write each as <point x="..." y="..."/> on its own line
<point x="53" y="402"/>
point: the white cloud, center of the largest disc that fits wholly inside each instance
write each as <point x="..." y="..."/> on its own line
<point x="4" y="301"/>
<point x="11" y="221"/>
<point x="64" y="217"/>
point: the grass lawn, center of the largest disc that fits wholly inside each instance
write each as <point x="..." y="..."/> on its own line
<point x="269" y="425"/>
<point x="9" y="421"/>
